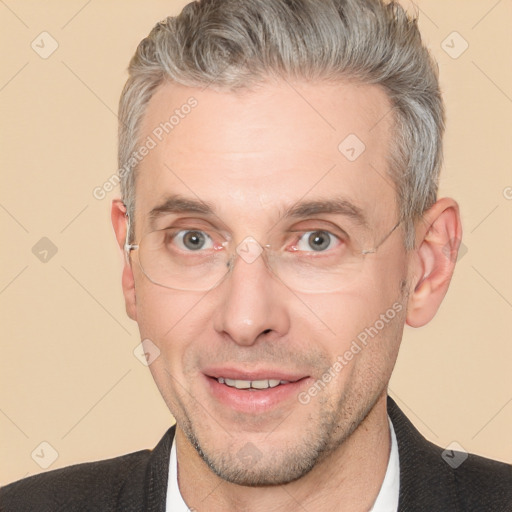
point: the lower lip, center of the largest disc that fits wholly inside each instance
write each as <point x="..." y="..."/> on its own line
<point x="255" y="401"/>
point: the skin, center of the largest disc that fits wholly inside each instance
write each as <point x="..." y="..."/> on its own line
<point x="251" y="156"/>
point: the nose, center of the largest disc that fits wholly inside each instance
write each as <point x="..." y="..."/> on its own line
<point x="252" y="303"/>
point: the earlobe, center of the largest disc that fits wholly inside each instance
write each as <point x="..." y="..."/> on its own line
<point x="433" y="261"/>
<point x="120" y="225"/>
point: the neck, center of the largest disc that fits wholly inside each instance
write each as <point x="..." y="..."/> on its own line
<point x="347" y="479"/>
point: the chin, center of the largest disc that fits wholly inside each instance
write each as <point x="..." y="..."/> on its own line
<point x="277" y="458"/>
<point x="250" y="467"/>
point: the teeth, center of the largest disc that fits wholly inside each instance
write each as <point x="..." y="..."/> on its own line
<point x="242" y="384"/>
<point x="260" y="384"/>
<point x="254" y="384"/>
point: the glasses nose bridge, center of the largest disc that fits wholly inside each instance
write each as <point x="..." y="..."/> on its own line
<point x="249" y="250"/>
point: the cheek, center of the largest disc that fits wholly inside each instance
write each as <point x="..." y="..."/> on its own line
<point x="171" y="319"/>
<point x="361" y="326"/>
<point x="343" y="316"/>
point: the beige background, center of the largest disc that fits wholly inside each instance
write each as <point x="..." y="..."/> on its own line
<point x="68" y="373"/>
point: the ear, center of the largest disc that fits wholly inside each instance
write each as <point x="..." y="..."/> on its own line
<point x="120" y="225"/>
<point x="438" y="237"/>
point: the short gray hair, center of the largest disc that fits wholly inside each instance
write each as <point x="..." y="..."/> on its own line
<point x="237" y="44"/>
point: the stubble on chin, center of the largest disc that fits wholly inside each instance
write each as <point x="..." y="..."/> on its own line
<point x="267" y="463"/>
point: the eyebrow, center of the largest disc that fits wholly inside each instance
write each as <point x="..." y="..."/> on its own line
<point x="301" y="209"/>
<point x="337" y="206"/>
<point x="180" y="204"/>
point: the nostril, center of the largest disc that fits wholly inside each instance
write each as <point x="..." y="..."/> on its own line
<point x="266" y="331"/>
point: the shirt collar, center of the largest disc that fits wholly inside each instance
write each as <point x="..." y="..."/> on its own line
<point x="387" y="499"/>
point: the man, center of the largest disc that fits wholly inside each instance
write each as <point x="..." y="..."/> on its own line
<point x="279" y="164"/>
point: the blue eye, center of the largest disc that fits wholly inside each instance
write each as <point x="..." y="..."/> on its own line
<point x="193" y="240"/>
<point x="316" y="241"/>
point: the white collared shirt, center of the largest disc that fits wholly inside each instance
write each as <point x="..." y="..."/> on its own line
<point x="174" y="502"/>
<point x="387" y="500"/>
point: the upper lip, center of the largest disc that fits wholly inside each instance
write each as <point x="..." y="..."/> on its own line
<point x="250" y="375"/>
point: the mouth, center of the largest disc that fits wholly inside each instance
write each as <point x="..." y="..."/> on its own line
<point x="252" y="384"/>
<point x="254" y="392"/>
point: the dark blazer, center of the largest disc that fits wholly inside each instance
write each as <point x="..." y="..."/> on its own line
<point x="138" y="482"/>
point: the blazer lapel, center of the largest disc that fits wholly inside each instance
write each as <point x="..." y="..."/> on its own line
<point x="157" y="474"/>
<point x="426" y="483"/>
<point x="146" y="487"/>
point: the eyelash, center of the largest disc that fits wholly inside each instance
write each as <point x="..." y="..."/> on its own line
<point x="177" y="236"/>
<point x="306" y="234"/>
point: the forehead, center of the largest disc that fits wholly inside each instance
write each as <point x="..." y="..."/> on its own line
<point x="255" y="152"/>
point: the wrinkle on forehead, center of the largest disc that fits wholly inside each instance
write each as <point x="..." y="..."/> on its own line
<point x="255" y="153"/>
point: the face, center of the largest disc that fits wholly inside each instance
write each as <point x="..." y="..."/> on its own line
<point x="271" y="164"/>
